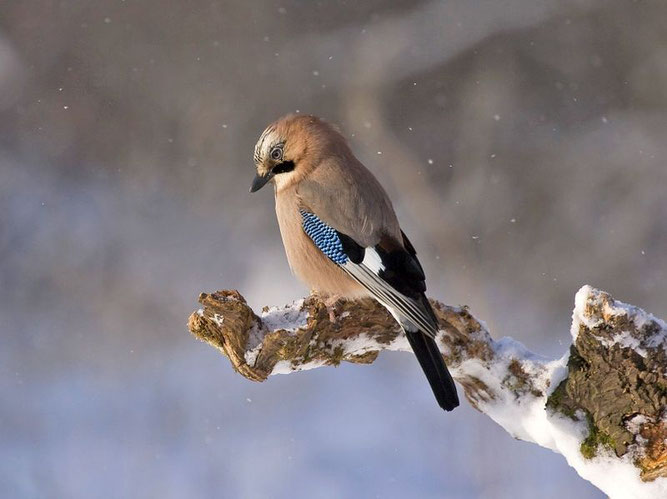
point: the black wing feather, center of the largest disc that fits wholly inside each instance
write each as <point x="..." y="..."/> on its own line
<point x="403" y="273"/>
<point x="354" y="251"/>
<point x="402" y="269"/>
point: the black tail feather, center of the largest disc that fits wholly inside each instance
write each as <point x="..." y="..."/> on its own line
<point x="433" y="365"/>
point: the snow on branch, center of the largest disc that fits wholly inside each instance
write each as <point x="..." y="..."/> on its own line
<point x="602" y="405"/>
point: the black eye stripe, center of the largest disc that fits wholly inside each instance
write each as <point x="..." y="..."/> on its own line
<point x="285" y="166"/>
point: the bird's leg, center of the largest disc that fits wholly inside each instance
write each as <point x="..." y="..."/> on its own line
<point x="330" y="301"/>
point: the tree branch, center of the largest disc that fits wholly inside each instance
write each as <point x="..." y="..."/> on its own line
<point x="602" y="405"/>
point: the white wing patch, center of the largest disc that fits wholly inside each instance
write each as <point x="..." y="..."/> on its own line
<point x="410" y="314"/>
<point x="373" y="261"/>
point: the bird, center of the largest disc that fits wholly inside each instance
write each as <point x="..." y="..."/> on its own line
<point x="341" y="235"/>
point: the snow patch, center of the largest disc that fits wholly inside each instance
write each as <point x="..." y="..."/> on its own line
<point x="579" y="315"/>
<point x="625" y="340"/>
<point x="634" y="424"/>
<point x="286" y="366"/>
<point x="290" y="318"/>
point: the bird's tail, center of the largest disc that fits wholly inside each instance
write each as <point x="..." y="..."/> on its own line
<point x="431" y="361"/>
<point x="434" y="367"/>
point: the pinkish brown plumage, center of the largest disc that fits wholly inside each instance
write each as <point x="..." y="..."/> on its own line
<point x="328" y="180"/>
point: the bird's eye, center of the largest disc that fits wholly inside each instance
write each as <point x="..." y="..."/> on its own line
<point x="276" y="153"/>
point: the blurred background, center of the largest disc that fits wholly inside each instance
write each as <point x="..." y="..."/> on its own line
<point x="523" y="144"/>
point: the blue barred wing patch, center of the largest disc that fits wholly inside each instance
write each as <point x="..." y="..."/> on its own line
<point x="324" y="237"/>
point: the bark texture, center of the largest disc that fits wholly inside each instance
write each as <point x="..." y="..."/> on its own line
<point x="612" y="383"/>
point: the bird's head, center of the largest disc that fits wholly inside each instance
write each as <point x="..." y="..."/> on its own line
<point x="292" y="147"/>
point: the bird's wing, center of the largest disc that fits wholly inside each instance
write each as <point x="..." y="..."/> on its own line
<point x="349" y="199"/>
<point x="389" y="270"/>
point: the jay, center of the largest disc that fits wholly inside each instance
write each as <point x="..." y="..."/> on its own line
<point x="341" y="235"/>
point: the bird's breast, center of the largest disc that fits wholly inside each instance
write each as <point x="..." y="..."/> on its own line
<point x="307" y="262"/>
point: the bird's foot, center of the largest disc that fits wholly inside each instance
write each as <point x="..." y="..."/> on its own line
<point x="330" y="301"/>
<point x="332" y="312"/>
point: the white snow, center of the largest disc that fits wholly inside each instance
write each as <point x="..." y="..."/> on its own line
<point x="633" y="425"/>
<point x="624" y="339"/>
<point x="253" y="347"/>
<point x="291" y="318"/>
<point x="579" y="316"/>
<point x="286" y="367"/>
<point x="659" y="339"/>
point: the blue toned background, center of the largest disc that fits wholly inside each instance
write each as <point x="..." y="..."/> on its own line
<point x="521" y="141"/>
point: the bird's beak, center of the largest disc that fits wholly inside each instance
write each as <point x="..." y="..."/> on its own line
<point x="260" y="181"/>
